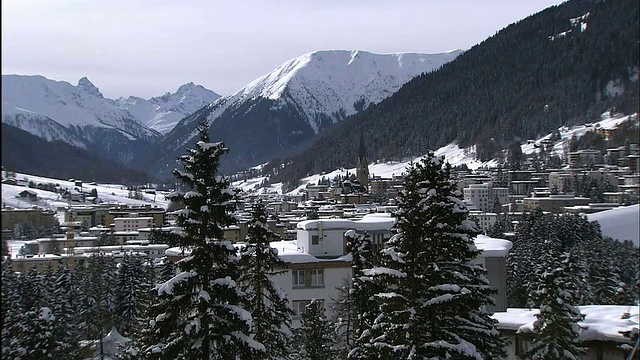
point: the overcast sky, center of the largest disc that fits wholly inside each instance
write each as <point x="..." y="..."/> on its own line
<point x="148" y="47"/>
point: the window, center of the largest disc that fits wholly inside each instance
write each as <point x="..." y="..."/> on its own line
<point x="317" y="277"/>
<point x="298" y="278"/>
<point x="314" y="240"/>
<point x="299" y="307"/>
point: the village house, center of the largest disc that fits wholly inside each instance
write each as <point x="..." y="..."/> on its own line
<point x="28" y="195"/>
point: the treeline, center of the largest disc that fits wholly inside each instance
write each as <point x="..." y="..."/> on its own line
<point x="605" y="270"/>
<point x="47" y="314"/>
<point x="516" y="85"/>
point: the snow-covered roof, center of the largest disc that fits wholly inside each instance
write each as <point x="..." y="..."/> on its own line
<point x="602" y="322"/>
<point x="367" y="223"/>
<point x="492" y="247"/>
<point x="621" y="223"/>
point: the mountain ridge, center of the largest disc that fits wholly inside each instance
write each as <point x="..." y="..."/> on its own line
<point x="289" y="106"/>
<point x="521" y="82"/>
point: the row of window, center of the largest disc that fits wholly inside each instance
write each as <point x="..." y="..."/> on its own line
<point x="307" y="278"/>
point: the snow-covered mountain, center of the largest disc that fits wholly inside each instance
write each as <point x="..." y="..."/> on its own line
<point x="286" y="108"/>
<point x="78" y="115"/>
<point x="338" y="83"/>
<point x="81" y="116"/>
<point x="162" y="113"/>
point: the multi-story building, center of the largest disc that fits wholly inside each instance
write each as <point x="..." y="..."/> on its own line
<point x="553" y="203"/>
<point x="483" y="196"/>
<point x="133" y="222"/>
<point x="123" y="211"/>
<point x="39" y="218"/>
<point x="584" y="157"/>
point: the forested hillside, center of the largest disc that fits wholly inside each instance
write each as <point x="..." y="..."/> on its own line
<point x="27" y="153"/>
<point x="563" y="66"/>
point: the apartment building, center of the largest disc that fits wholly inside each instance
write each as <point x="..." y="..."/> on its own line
<point x="483" y="196"/>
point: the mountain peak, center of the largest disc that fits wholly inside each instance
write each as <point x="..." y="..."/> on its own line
<point x="88" y="87"/>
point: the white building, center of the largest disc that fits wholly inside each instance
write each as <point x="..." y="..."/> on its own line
<point x="319" y="264"/>
<point x="483" y="195"/>
<point x="132" y="223"/>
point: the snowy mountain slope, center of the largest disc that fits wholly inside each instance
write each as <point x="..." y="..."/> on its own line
<point x="452" y="153"/>
<point x="162" y="113"/>
<point x="107" y="193"/>
<point x="335" y="82"/>
<point x="286" y="108"/>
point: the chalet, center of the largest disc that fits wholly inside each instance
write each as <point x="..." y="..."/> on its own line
<point x="10" y="182"/>
<point x="28" y="195"/>
<point x="72" y="195"/>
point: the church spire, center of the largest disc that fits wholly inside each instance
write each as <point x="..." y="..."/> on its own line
<point x="362" y="151"/>
<point x="362" y="167"/>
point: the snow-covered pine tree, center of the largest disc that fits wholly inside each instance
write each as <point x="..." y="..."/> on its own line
<point x="12" y="309"/>
<point x="37" y="337"/>
<point x="315" y="333"/>
<point x="99" y="296"/>
<point x="267" y="303"/>
<point x="434" y="303"/>
<point x="522" y="259"/>
<point x="557" y="323"/>
<point x="344" y="319"/>
<point x="47" y="286"/>
<point x="31" y="289"/>
<point x="363" y="290"/>
<point x="131" y="292"/>
<point x="65" y="308"/>
<point x="202" y="316"/>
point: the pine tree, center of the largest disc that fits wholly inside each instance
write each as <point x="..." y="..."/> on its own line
<point x="202" y="314"/>
<point x="65" y="308"/>
<point x="38" y="334"/>
<point x="12" y="309"/>
<point x="435" y="297"/>
<point x="267" y="303"/>
<point x="363" y="290"/>
<point x="131" y="292"/>
<point x="315" y="333"/>
<point x="344" y="319"/>
<point x="99" y="297"/>
<point x="31" y="290"/>
<point x="557" y="323"/>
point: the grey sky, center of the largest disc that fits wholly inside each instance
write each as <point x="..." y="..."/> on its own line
<point x="146" y="48"/>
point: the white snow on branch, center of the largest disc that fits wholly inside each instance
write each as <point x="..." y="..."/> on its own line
<point x="167" y="287"/>
<point x="440" y="299"/>
<point x="227" y="281"/>
<point x="251" y="342"/>
<point x="192" y="194"/>
<point x="383" y="270"/>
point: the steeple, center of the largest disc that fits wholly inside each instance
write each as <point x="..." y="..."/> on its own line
<point x="362" y="167"/>
<point x="362" y="151"/>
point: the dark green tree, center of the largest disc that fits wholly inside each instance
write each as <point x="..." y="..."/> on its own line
<point x="201" y="314"/>
<point x="267" y="303"/>
<point x="315" y="333"/>
<point x="557" y="322"/>
<point x="434" y="302"/>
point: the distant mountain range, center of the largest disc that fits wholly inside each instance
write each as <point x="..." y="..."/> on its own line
<point x="162" y="113"/>
<point x="81" y="116"/>
<point x="284" y="110"/>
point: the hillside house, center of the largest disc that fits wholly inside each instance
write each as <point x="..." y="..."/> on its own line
<point x="28" y="195"/>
